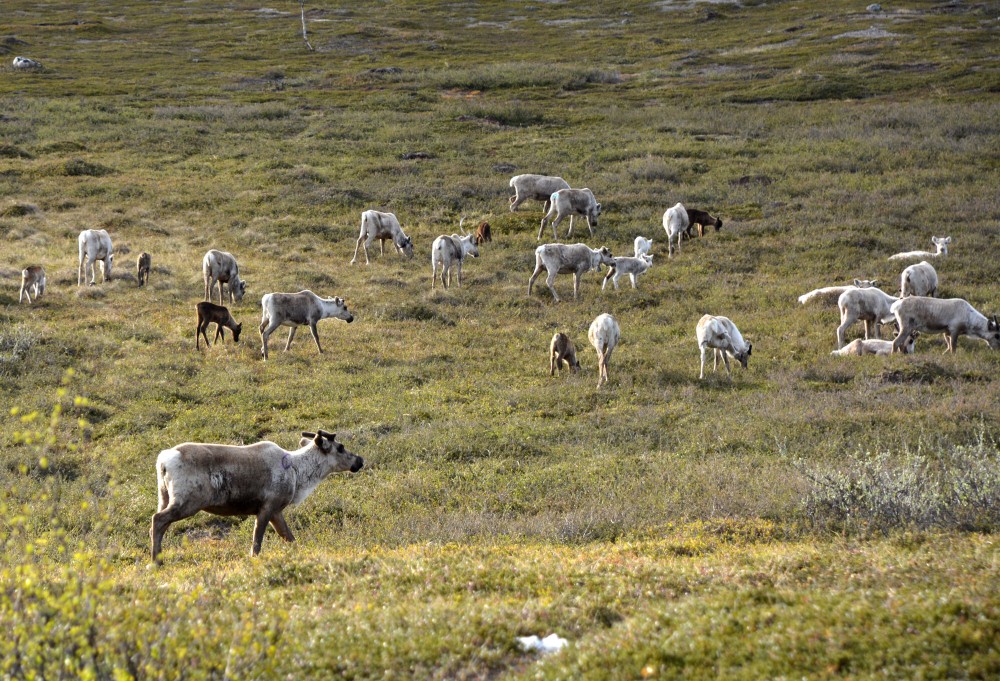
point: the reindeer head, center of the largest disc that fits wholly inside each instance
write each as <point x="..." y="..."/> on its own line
<point x="604" y="257"/>
<point x="407" y="247"/>
<point x="340" y="311"/>
<point x="993" y="333"/>
<point x="469" y="246"/>
<point x="236" y="332"/>
<point x="744" y="356"/>
<point x="941" y="243"/>
<point x="340" y="458"/>
<point x="911" y="343"/>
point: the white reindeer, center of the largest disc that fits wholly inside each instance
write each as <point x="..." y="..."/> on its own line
<point x="675" y="223"/>
<point x="381" y="226"/>
<point x="32" y="280"/>
<point x="261" y="480"/>
<point x="870" y="305"/>
<point x="604" y="335"/>
<point x="95" y="245"/>
<point x="450" y="251"/>
<point x="942" y="249"/>
<point x="304" y="308"/>
<point x="633" y="267"/>
<point x="721" y="335"/>
<point x="642" y="245"/>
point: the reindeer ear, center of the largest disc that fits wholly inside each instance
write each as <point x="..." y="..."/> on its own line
<point x="857" y="282"/>
<point x="749" y="349"/>
<point x="308" y="435"/>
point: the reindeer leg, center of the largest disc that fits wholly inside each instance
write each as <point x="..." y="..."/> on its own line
<point x="291" y="335"/>
<point x="315" y="333"/>
<point x="281" y="527"/>
<point x="550" y="281"/>
<point x="266" y="329"/>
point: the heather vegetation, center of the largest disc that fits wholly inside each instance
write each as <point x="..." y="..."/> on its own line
<point x="817" y="516"/>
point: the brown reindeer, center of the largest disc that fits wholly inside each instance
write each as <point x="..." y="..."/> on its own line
<point x="142" y="267"/>
<point x="484" y="233"/>
<point x="209" y="313"/>
<point x="703" y="220"/>
<point x="561" y="349"/>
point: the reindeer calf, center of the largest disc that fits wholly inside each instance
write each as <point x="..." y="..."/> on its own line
<point x="484" y="233"/>
<point x="32" y="279"/>
<point x="142" y="267"/>
<point x="561" y="349"/>
<point x="209" y="313"/>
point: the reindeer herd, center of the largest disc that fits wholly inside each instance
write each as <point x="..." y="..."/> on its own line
<point x="216" y="478"/>
<point x="862" y="301"/>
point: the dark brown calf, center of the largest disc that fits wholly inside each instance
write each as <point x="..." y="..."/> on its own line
<point x="702" y="219"/>
<point x="142" y="267"/>
<point x="561" y="349"/>
<point x="209" y="313"/>
<point x="484" y="233"/>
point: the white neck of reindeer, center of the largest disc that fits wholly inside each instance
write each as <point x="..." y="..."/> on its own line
<point x="979" y="323"/>
<point x="309" y="470"/>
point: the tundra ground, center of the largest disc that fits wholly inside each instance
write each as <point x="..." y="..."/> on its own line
<point x="818" y="516"/>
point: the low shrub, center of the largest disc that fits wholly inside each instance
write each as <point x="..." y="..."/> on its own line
<point x="954" y="487"/>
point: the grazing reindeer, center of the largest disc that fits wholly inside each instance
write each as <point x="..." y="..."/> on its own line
<point x="537" y="187"/>
<point x="604" y="335"/>
<point x="561" y="349"/>
<point x="209" y="313"/>
<point x="32" y="278"/>
<point x="484" y="233"/>
<point x="142" y="267"/>
<point x="702" y="219"/>
<point x="953" y="317"/>
<point x="720" y="335"/>
<point x="450" y="251"/>
<point x="382" y="226"/>
<point x="221" y="267"/>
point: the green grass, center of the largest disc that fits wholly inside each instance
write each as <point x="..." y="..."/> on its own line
<point x="818" y="516"/>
